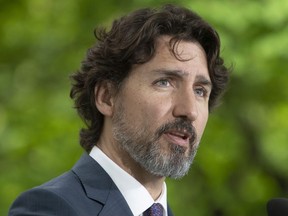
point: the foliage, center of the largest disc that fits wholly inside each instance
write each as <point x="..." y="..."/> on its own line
<point x="242" y="159"/>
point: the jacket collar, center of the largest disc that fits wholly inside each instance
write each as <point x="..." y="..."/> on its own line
<point x="99" y="186"/>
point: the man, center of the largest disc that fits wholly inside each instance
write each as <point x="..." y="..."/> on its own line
<point x="144" y="91"/>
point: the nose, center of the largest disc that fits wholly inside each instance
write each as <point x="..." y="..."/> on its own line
<point x="185" y="105"/>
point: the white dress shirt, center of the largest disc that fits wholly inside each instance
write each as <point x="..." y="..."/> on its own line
<point x="135" y="194"/>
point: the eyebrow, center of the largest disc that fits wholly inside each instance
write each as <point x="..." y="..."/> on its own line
<point x="204" y="81"/>
<point x="180" y="73"/>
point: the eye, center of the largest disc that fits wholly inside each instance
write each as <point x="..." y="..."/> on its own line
<point x="201" y="91"/>
<point x="163" y="83"/>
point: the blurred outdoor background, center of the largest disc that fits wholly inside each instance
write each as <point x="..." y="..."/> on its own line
<point x="243" y="158"/>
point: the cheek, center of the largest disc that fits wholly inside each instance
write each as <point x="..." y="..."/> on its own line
<point x="149" y="114"/>
<point x="145" y="108"/>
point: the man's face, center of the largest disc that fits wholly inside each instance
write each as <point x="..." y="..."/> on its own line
<point x="162" y="109"/>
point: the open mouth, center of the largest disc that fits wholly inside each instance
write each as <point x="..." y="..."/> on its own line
<point x="180" y="135"/>
<point x="181" y="138"/>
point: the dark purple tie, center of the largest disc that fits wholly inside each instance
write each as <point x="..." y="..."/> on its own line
<point x="155" y="210"/>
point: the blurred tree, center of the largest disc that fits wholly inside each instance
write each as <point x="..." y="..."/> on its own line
<point x="242" y="161"/>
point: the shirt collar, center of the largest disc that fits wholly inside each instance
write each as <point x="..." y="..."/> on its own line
<point x="135" y="194"/>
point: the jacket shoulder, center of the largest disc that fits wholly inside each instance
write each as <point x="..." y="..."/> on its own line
<point x="39" y="201"/>
<point x="64" y="195"/>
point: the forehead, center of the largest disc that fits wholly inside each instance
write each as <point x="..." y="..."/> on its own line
<point x="185" y="57"/>
<point x="179" y="49"/>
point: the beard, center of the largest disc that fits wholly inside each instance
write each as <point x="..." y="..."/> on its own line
<point x="144" y="146"/>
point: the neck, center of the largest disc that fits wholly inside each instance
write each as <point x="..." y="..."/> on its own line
<point x="152" y="183"/>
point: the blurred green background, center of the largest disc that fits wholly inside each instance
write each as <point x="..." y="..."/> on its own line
<point x="242" y="161"/>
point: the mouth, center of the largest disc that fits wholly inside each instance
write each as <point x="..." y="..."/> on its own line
<point x="181" y="138"/>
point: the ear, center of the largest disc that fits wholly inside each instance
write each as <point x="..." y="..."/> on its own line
<point x="104" y="98"/>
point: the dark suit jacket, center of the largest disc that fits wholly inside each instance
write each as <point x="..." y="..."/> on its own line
<point x="85" y="190"/>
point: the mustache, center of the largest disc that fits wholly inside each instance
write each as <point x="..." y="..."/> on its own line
<point x="179" y="124"/>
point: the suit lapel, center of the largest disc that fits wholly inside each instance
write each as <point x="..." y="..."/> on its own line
<point x="100" y="187"/>
<point x="116" y="204"/>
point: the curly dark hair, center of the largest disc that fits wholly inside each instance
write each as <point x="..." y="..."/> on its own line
<point x="130" y="41"/>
